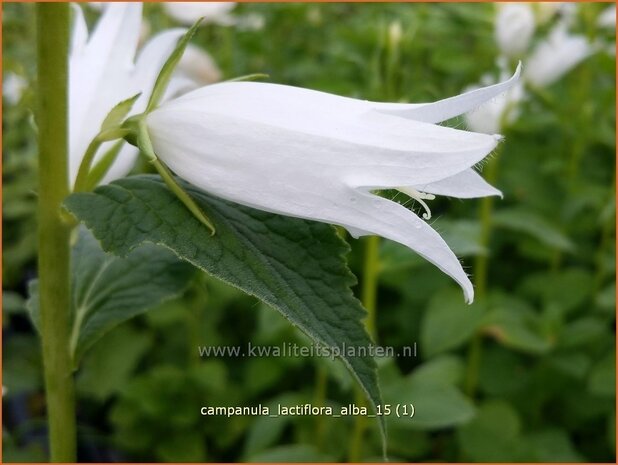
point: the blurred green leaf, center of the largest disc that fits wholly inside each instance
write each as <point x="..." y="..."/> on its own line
<point x="110" y="363"/>
<point x="463" y="236"/>
<point x="526" y="221"/>
<point x="444" y="369"/>
<point x="516" y="330"/>
<point x="553" y="445"/>
<point x="437" y="405"/>
<point x="186" y="446"/>
<point x="503" y="372"/>
<point x="265" y="431"/>
<point x="22" y="371"/>
<point x="574" y="364"/>
<point x="582" y="331"/>
<point x="493" y="435"/>
<point x="291" y="454"/>
<point x="568" y="289"/>
<point x="448" y="323"/>
<point x="602" y="380"/>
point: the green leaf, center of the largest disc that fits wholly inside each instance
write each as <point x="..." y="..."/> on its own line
<point x="445" y="370"/>
<point x="182" y="446"/>
<point x="265" y="431"/>
<point x="516" y="330"/>
<point x="525" y="221"/>
<point x="462" y="236"/>
<point x="118" y="113"/>
<point x="436" y="405"/>
<point x="293" y="265"/>
<point x="552" y="445"/>
<point x="110" y="363"/>
<point x="291" y="454"/>
<point x="583" y="332"/>
<point x="448" y="322"/>
<point x="107" y="290"/>
<point x="602" y="380"/>
<point x="493" y="435"/>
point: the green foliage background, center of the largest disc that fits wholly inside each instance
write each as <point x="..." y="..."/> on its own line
<point x="525" y="374"/>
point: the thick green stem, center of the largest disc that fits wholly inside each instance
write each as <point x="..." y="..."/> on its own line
<point x="370" y="283"/>
<point x="54" y="251"/>
<point x="371" y="270"/>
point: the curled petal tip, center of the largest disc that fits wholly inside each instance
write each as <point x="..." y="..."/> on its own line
<point x="517" y="73"/>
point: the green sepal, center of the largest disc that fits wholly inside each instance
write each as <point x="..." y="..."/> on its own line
<point x="111" y="129"/>
<point x="248" y="77"/>
<point x="118" y="113"/>
<point x="101" y="167"/>
<point x="168" y="68"/>
<point x="145" y="146"/>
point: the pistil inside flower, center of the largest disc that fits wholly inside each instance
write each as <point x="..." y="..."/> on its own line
<point x="420" y="197"/>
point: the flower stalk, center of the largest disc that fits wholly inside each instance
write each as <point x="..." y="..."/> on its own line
<point x="481" y="273"/>
<point x="54" y="234"/>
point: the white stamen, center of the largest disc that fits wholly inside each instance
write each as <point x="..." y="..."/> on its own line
<point x="420" y="197"/>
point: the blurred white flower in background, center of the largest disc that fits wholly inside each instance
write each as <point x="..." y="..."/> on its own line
<point x="567" y="13"/>
<point x="493" y="116"/>
<point x="607" y="18"/>
<point x="199" y="66"/>
<point x="555" y="56"/>
<point x="196" y="68"/>
<point x="103" y="71"/>
<point x="188" y="13"/>
<point x="514" y="27"/>
<point x="13" y="87"/>
<point x="314" y="155"/>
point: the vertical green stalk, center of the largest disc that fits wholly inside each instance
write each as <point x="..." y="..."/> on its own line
<point x="54" y="251"/>
<point x="481" y="264"/>
<point x="481" y="271"/>
<point x="370" y="283"/>
<point x="371" y="270"/>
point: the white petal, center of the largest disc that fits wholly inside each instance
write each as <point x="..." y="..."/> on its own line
<point x="123" y="164"/>
<point x="393" y="221"/>
<point x="362" y="147"/>
<point x="465" y="185"/>
<point x="556" y="56"/>
<point x="450" y="107"/>
<point x="79" y="35"/>
<point x="197" y="64"/>
<point x="99" y="75"/>
<point x="116" y="34"/>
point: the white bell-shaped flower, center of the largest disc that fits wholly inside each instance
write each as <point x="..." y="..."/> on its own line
<point x="554" y="57"/>
<point x="319" y="156"/>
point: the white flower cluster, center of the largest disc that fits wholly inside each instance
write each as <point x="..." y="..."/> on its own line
<point x="546" y="59"/>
